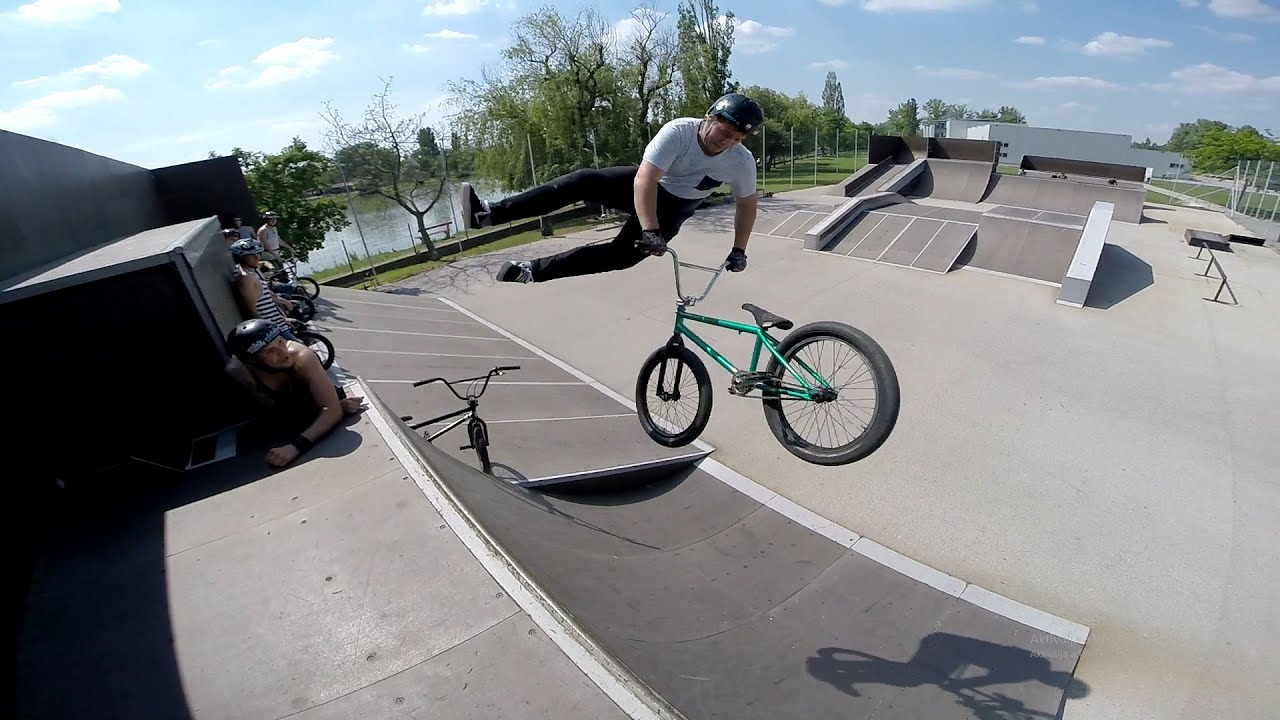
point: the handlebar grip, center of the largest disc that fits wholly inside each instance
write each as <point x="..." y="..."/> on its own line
<point x="422" y="382"/>
<point x="504" y="368"/>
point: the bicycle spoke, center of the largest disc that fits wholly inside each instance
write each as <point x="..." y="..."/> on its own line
<point x="841" y="421"/>
<point x="667" y="414"/>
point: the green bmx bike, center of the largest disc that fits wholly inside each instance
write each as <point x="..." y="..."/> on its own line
<point x="859" y="390"/>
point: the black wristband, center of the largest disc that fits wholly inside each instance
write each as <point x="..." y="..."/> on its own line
<point x="302" y="443"/>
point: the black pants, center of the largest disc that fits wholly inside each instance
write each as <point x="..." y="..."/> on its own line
<point x="612" y="187"/>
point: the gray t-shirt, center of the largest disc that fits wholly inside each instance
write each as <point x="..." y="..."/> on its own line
<point x="688" y="172"/>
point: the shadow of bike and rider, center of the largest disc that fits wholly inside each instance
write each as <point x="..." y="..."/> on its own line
<point x="948" y="662"/>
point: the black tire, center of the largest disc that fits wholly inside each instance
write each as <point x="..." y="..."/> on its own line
<point x="308" y="286"/>
<point x="303" y="308"/>
<point x="888" y="394"/>
<point x="308" y="338"/>
<point x="667" y="360"/>
<point x="479" y="434"/>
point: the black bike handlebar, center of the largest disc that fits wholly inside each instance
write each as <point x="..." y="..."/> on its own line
<point x="449" y="383"/>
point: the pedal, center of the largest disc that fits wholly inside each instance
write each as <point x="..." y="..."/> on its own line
<point x="745" y="381"/>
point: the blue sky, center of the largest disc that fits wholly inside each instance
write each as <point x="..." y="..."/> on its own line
<point x="159" y="82"/>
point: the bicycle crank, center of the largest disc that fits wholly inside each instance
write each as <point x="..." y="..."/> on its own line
<point x="744" y="381"/>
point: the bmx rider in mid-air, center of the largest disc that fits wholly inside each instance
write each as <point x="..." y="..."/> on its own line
<point x="687" y="160"/>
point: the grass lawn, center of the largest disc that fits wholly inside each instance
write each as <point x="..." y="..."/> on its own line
<point x="830" y="170"/>
<point x="524" y="238"/>
<point x="1256" y="202"/>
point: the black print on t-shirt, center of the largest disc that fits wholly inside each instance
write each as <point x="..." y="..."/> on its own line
<point x="708" y="183"/>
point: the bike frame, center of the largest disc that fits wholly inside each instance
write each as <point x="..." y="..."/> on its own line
<point x="467" y="413"/>
<point x="762" y="337"/>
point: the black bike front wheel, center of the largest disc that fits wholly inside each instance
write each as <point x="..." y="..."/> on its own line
<point x="671" y="374"/>
<point x="860" y="370"/>
<point x="303" y="309"/>
<point x="479" y="435"/>
<point x="320" y="345"/>
<point x="309" y="287"/>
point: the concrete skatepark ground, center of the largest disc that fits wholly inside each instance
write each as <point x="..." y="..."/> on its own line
<point x="1111" y="465"/>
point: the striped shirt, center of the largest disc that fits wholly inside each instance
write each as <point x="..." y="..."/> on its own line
<point x="266" y="308"/>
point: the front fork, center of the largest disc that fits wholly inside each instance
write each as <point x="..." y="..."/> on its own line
<point x="674" y="394"/>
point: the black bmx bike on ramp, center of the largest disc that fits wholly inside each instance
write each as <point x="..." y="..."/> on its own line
<point x="477" y="430"/>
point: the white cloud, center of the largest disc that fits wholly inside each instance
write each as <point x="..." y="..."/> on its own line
<point x="292" y="60"/>
<point x="1110" y="43"/>
<point x="1240" y="37"/>
<point x="450" y="35"/>
<point x="1244" y="9"/>
<point x="112" y="66"/>
<point x="415" y="48"/>
<point x="1189" y="3"/>
<point x="754" y="38"/>
<point x="827" y="65"/>
<point x="1029" y="40"/>
<point x="224" y="78"/>
<point x="892" y="5"/>
<point x="43" y="110"/>
<point x="57" y="11"/>
<point x="30" y="83"/>
<point x="1064" y="81"/>
<point x="627" y="30"/>
<point x="952" y="73"/>
<point x="454" y="7"/>
<point x="1207" y="78"/>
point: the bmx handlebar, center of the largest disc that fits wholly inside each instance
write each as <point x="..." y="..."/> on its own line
<point x="676" y="265"/>
<point x="449" y="383"/>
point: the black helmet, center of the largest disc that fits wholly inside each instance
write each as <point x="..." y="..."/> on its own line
<point x="250" y="336"/>
<point x="741" y="111"/>
<point x="245" y="247"/>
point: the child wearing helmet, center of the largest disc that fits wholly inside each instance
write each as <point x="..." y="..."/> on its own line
<point x="287" y="382"/>
<point x="683" y="164"/>
<point x="256" y="296"/>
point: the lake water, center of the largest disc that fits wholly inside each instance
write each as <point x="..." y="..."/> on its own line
<point x="385" y="227"/>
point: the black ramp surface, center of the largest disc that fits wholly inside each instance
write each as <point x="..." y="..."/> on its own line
<point x="961" y="180"/>
<point x="941" y="254"/>
<point x="1025" y="247"/>
<point x="880" y="238"/>
<point x="728" y="609"/>
<point x="857" y="232"/>
<point x="912" y="242"/>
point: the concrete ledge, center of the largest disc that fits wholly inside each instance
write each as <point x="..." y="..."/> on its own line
<point x="820" y="235"/>
<point x="1079" y="276"/>
<point x="905" y="178"/>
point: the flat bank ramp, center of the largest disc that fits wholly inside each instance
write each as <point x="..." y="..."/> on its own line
<point x="916" y="236"/>
<point x="1073" y="196"/>
<point x="1026" y="242"/>
<point x="727" y="608"/>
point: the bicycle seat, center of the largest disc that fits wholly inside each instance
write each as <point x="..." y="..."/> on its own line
<point x="766" y="319"/>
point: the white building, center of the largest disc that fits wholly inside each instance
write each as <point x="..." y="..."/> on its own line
<point x="1019" y="140"/>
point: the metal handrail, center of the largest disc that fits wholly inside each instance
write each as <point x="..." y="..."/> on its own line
<point x="1222" y="274"/>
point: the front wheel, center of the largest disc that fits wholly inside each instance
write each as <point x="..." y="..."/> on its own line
<point x="679" y="372"/>
<point x="309" y="287"/>
<point x="320" y="345"/>
<point x="860" y="372"/>
<point x="478" y="432"/>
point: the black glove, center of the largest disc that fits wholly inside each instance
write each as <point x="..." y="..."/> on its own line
<point x="651" y="242"/>
<point x="737" y="260"/>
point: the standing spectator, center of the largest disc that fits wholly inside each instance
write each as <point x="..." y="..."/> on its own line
<point x="244" y="229"/>
<point x="269" y="236"/>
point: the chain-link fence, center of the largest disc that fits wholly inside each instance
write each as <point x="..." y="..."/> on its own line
<point x="797" y="157"/>
<point x="1249" y="194"/>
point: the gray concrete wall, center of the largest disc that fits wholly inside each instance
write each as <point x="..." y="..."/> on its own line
<point x="59" y="201"/>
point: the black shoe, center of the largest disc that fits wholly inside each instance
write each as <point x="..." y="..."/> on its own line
<point x="475" y="212"/>
<point x="515" y="271"/>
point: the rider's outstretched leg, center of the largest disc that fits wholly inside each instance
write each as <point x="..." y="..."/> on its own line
<point x="611" y="187"/>
<point x="617" y="254"/>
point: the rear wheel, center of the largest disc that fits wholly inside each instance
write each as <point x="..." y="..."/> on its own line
<point x="671" y="374"/>
<point x="866" y="394"/>
<point x="320" y="345"/>
<point x="303" y="308"/>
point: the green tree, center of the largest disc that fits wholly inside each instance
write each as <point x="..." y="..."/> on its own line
<point x="833" y="95"/>
<point x="1187" y="136"/>
<point x="904" y="120"/>
<point x="285" y="182"/>
<point x="1220" y="150"/>
<point x="646" y="66"/>
<point x="704" y="46"/>
<point x="394" y="157"/>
